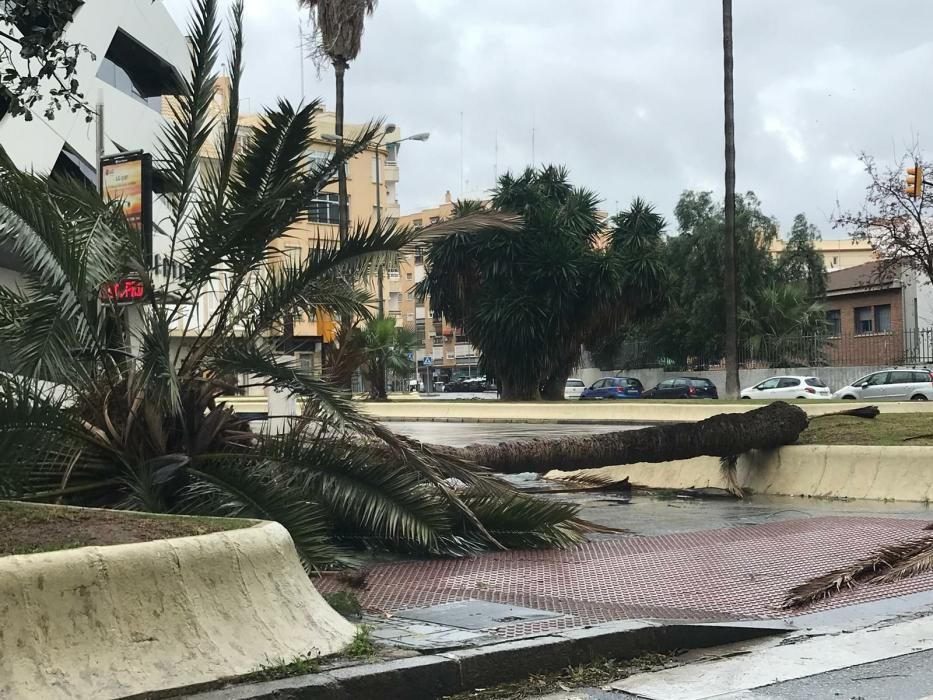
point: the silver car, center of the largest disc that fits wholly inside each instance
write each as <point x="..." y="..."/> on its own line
<point x="895" y="384"/>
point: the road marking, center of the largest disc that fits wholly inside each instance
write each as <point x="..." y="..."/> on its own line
<point x="788" y="661"/>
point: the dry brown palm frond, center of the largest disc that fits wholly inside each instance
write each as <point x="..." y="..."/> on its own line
<point x="885" y="564"/>
<point x="473" y="222"/>
<point x="727" y="467"/>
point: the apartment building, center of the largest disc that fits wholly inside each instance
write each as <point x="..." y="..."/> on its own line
<point x="450" y="351"/>
<point x="837" y="254"/>
<point x="137" y="55"/>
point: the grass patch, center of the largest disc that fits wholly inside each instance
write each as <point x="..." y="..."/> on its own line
<point x="362" y="646"/>
<point x="888" y="429"/>
<point x="597" y="673"/>
<point x="280" y="668"/>
<point x="30" y="528"/>
<point x="347" y="604"/>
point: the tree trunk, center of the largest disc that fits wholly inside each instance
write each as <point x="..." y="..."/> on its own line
<point x="724" y="435"/>
<point x="516" y="391"/>
<point x="553" y="389"/>
<point x="343" y="202"/>
<point x="731" y="292"/>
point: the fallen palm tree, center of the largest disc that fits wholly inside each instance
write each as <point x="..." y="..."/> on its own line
<point x="725" y="436"/>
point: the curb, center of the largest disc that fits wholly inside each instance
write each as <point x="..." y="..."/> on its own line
<point x="436" y="675"/>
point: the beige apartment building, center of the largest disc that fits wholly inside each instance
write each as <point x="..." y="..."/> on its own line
<point x="837" y="254"/>
<point x="451" y="353"/>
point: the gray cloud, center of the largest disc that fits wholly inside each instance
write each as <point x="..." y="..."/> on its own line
<point x="626" y="93"/>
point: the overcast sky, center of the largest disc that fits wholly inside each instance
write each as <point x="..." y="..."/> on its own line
<point x="626" y="93"/>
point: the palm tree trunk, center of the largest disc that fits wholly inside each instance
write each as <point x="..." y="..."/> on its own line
<point x="725" y="435"/>
<point x="343" y="202"/>
<point x="731" y="293"/>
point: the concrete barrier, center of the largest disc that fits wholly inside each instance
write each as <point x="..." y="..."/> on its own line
<point x="107" y="622"/>
<point x="826" y="471"/>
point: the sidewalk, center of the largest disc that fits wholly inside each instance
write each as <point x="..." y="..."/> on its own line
<point x="715" y="575"/>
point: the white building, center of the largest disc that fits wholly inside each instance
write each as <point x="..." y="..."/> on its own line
<point x="139" y="54"/>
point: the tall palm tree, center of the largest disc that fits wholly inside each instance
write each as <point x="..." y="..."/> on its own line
<point x="731" y="293"/>
<point x="385" y="348"/>
<point x="339" y="25"/>
<point x="135" y="418"/>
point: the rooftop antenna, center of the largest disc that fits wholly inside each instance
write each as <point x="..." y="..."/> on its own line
<point x="301" y="57"/>
<point x="461" y="153"/>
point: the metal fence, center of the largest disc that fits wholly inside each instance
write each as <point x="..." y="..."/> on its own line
<point x="914" y="347"/>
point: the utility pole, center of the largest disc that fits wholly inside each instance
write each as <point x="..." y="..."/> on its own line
<point x="99" y="145"/>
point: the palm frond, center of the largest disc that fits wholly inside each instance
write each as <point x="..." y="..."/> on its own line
<point x="886" y="564"/>
<point x="235" y="486"/>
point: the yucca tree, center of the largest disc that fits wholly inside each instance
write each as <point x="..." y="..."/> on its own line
<point x="384" y="347"/>
<point x="529" y="299"/>
<point x="135" y="418"/>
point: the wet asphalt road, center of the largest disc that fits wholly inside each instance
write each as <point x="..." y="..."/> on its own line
<point x="649" y="513"/>
<point x="463" y="434"/>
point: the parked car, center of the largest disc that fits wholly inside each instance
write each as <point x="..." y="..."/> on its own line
<point x="788" y="387"/>
<point x="574" y="388"/>
<point x="614" y="388"/>
<point x="683" y="388"/>
<point x="895" y="384"/>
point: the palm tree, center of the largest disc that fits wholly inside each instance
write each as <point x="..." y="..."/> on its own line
<point x="339" y="25"/>
<point x="731" y="293"/>
<point x="385" y="348"/>
<point x="785" y="317"/>
<point x="136" y="419"/>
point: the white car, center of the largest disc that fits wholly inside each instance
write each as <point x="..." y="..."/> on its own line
<point x="573" y="389"/>
<point x="788" y="387"/>
<point x="895" y="384"/>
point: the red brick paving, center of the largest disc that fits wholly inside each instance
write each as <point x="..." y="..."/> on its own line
<point x="711" y="575"/>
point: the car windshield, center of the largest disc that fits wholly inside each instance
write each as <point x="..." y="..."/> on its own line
<point x="575" y="382"/>
<point x="815" y="381"/>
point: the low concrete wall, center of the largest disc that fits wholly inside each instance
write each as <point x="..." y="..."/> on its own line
<point x="827" y="471"/>
<point x="835" y="377"/>
<point x="107" y="622"/>
<point x="624" y="411"/>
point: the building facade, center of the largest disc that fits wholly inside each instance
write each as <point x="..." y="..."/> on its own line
<point x="879" y="314"/>
<point x="837" y="254"/>
<point x="137" y="55"/>
<point x="451" y="353"/>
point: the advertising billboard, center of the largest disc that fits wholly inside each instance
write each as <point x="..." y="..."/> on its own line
<point x="127" y="177"/>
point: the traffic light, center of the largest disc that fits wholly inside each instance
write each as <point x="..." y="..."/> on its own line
<point x="914" y="181"/>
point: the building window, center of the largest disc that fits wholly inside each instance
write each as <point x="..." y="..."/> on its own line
<point x="417" y="223"/>
<point x="391" y="153"/>
<point x="392" y="271"/>
<point x="419" y="256"/>
<point x="834" y="322"/>
<point x="319" y="160"/>
<point x="306" y="363"/>
<point x="835" y="260"/>
<point x="325" y="208"/>
<point x="132" y="69"/>
<point x="395" y="302"/>
<point x="408" y="276"/>
<point x="863" y="320"/>
<point x="434" y="219"/>
<point x="883" y="318"/>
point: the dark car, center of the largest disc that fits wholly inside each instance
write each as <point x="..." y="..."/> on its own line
<point x="683" y="388"/>
<point x="614" y="388"/>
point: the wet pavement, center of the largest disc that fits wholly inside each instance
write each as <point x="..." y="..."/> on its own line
<point x="463" y="434"/>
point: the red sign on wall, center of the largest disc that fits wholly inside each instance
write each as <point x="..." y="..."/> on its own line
<point x="129" y="290"/>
